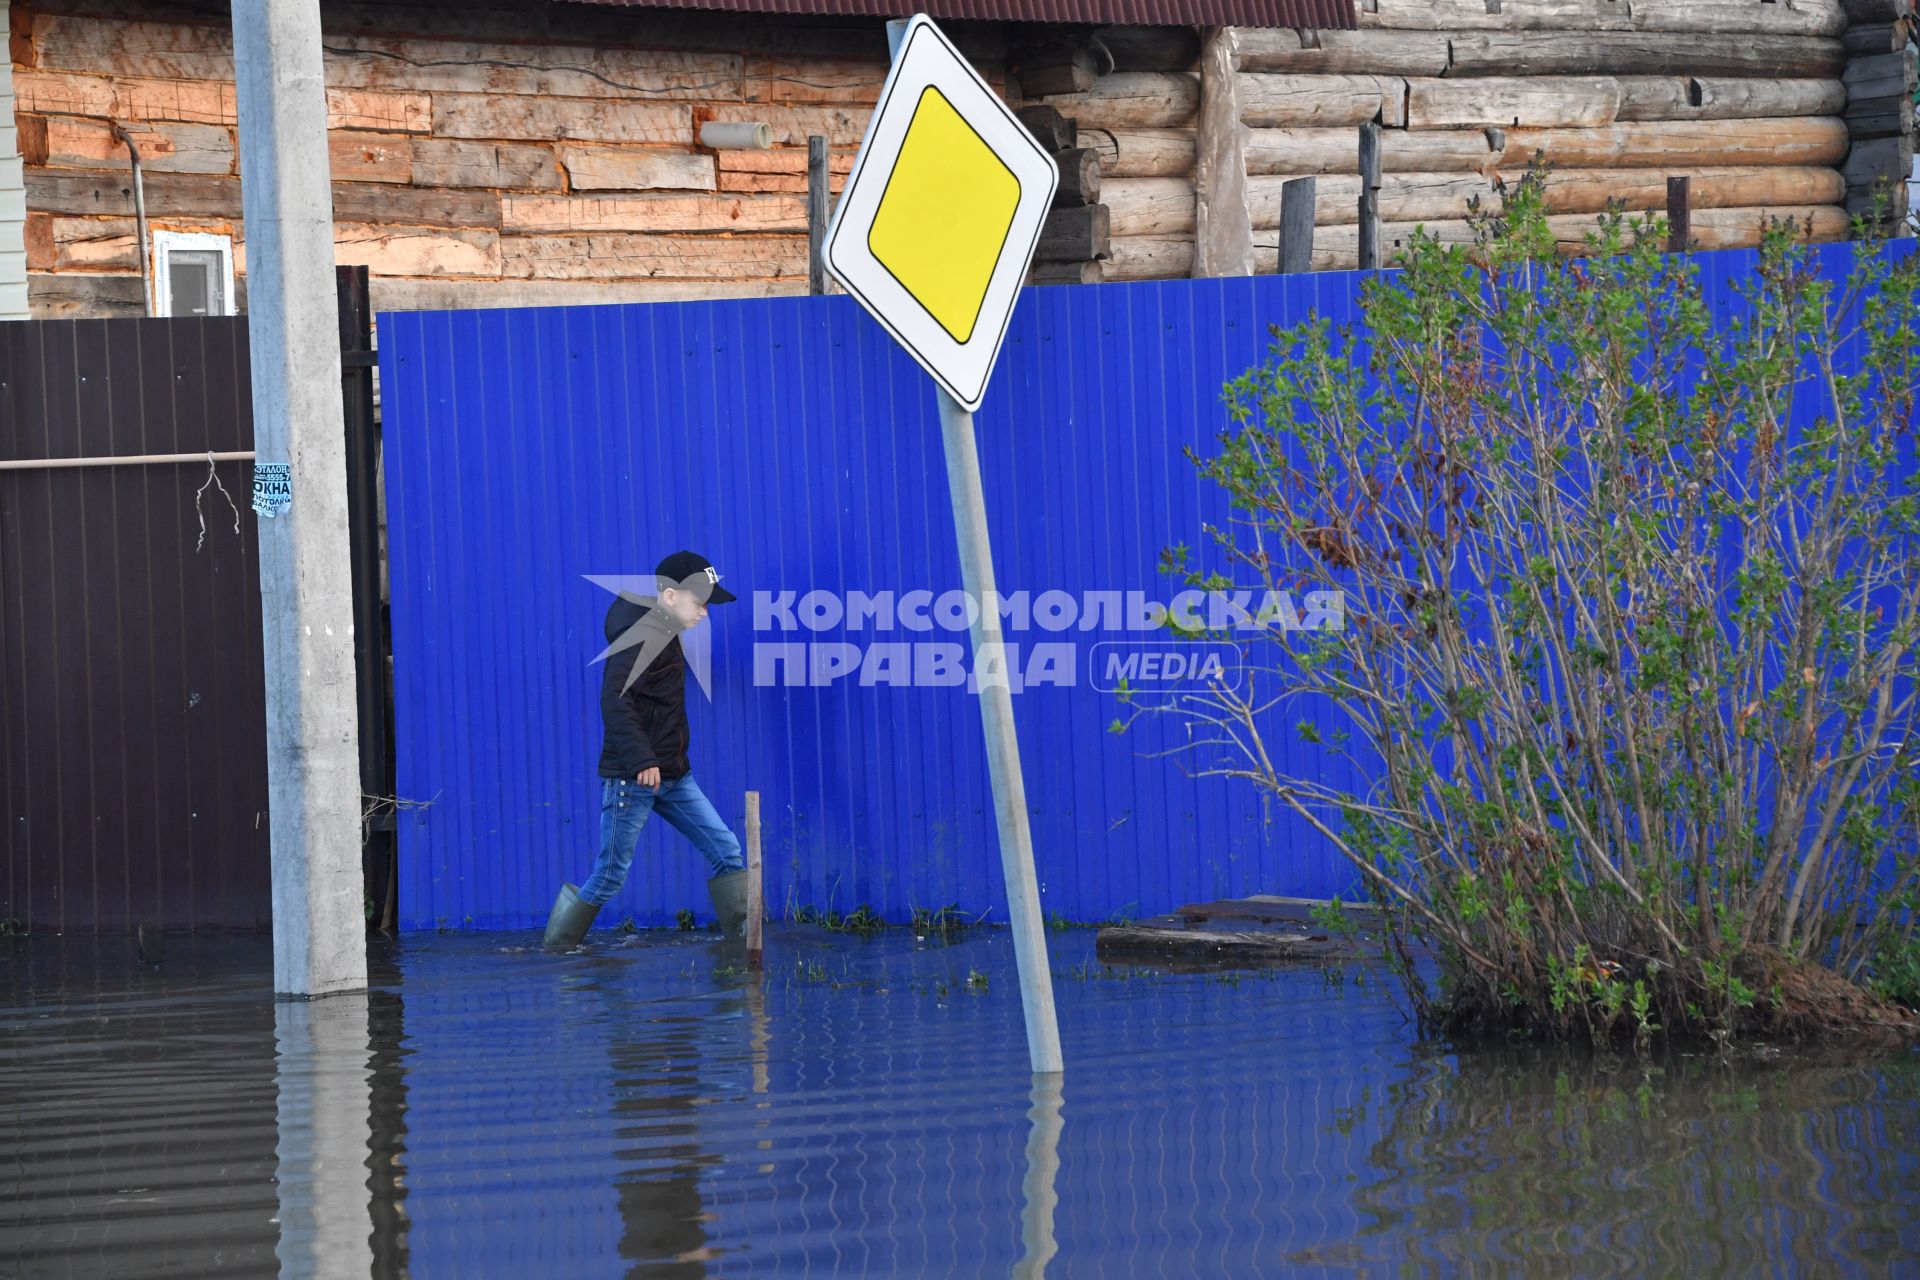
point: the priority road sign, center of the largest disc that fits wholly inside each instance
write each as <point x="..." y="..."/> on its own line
<point x="941" y="214"/>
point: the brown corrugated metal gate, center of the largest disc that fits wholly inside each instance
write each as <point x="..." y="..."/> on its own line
<point x="133" y="779"/>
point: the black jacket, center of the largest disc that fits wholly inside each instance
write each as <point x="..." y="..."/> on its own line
<point x="647" y="724"/>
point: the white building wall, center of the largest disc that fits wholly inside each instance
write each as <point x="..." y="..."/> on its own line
<point x="13" y="196"/>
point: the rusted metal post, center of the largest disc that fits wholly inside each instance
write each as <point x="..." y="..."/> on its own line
<point x="1679" y="214"/>
<point x="756" y="892"/>
<point x="1296" y="226"/>
<point x="1369" y="196"/>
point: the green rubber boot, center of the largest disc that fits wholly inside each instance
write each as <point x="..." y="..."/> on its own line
<point x="729" y="894"/>
<point x="570" y="919"/>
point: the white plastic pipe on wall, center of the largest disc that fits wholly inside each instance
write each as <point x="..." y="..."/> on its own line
<point x="735" y="135"/>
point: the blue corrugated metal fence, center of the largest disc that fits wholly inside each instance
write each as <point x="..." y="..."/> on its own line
<point x="789" y="441"/>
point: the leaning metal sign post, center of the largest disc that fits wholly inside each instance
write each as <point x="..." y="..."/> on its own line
<point x="933" y="235"/>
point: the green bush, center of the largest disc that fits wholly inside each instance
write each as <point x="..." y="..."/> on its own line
<point x="1631" y="610"/>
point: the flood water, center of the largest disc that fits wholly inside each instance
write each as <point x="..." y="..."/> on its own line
<point x="864" y="1109"/>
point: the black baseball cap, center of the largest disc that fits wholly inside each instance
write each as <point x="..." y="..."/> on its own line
<point x="691" y="571"/>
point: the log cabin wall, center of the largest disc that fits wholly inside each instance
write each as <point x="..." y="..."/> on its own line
<point x="1783" y="108"/>
<point x="514" y="153"/>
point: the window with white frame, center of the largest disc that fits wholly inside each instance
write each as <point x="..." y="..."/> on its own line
<point x="192" y="274"/>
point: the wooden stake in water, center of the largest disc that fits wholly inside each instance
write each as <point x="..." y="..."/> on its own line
<point x="756" y="906"/>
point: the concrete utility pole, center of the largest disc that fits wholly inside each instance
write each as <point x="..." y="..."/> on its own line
<point x="306" y="575"/>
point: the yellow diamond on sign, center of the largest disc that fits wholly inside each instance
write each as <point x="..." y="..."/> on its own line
<point x="944" y="217"/>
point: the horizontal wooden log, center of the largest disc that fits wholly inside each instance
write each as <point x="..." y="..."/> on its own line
<point x="472" y="115"/>
<point x="75" y="296"/>
<point x="1879" y="118"/>
<point x="164" y="50"/>
<point x="593" y="168"/>
<point x="124" y="98"/>
<point x="1080" y="178"/>
<point x="532" y="69"/>
<point x="1884" y="75"/>
<point x="473" y="295"/>
<point x="1335" y="248"/>
<point x="1053" y="131"/>
<point x="1679" y="143"/>
<point x="1867" y="162"/>
<point x="773" y="183"/>
<point x="1141" y="153"/>
<point x="1588" y="53"/>
<point x="172" y="196"/>
<point x="56" y="243"/>
<point x="816" y="81"/>
<point x="653" y="256"/>
<point x="515" y="65"/>
<point x="1150" y="206"/>
<point x="1722" y="98"/>
<point x="782" y="169"/>
<point x="1543" y="103"/>
<point x="1821" y="18"/>
<point x="1403" y="197"/>
<point x="1741" y="17"/>
<point x="1885" y="203"/>
<point x="107" y="193"/>
<point x="407" y="206"/>
<point x="1150" y="258"/>
<point x="1075" y="235"/>
<point x="1146" y="48"/>
<point x="1710" y="187"/>
<point x="371" y="157"/>
<point x="1045" y="273"/>
<point x="1165" y="206"/>
<point x="405" y="251"/>
<point x="386" y="112"/>
<point x="1271" y="99"/>
<point x="654" y="213"/>
<point x="1054" y="70"/>
<point x="1388" y="53"/>
<point x="1731" y="17"/>
<point x="1511" y="15"/>
<point x="1711" y="228"/>
<point x="1133" y="100"/>
<point x="1308" y="151"/>
<point x="1873" y="11"/>
<point x="781" y="160"/>
<point x="71" y="142"/>
<point x="1720" y="228"/>
<point x="504" y="166"/>
<point x="1868" y="39"/>
<point x="585" y="27"/>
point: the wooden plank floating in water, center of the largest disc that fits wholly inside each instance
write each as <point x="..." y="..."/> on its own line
<point x="1282" y="931"/>
<point x="1135" y="943"/>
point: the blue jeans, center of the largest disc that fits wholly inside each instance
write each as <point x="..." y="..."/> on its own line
<point x="624" y="806"/>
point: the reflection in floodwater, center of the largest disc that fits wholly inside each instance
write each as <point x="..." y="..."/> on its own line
<point x="320" y="1074"/>
<point x="1614" y="1160"/>
<point x="649" y="1109"/>
<point x="1037" y="1244"/>
<point x="658" y="1069"/>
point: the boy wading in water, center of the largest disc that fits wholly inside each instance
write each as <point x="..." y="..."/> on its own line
<point x="643" y="758"/>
